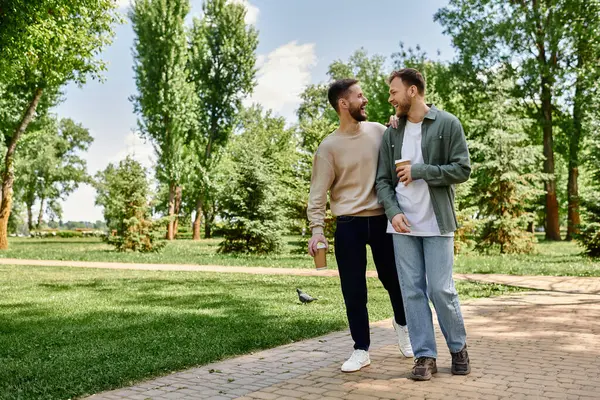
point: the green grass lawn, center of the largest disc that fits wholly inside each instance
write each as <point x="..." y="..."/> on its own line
<point x="552" y="258"/>
<point x="67" y="332"/>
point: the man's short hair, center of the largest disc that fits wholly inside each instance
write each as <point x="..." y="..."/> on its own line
<point x="410" y="77"/>
<point x="338" y="90"/>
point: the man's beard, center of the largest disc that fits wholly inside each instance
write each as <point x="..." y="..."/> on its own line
<point x="402" y="110"/>
<point x="356" y="113"/>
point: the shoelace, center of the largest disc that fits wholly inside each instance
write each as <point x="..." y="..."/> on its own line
<point x="421" y="361"/>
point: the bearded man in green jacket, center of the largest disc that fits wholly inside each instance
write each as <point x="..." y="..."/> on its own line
<point x="418" y="198"/>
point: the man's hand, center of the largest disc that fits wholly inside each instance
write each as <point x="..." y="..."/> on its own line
<point x="400" y="223"/>
<point x="312" y="243"/>
<point x="393" y="122"/>
<point x="404" y="174"/>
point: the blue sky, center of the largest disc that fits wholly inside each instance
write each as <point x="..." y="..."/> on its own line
<point x="298" y="41"/>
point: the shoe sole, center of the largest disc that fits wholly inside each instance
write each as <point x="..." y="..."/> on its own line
<point x="467" y="372"/>
<point x="356" y="370"/>
<point x="423" y="378"/>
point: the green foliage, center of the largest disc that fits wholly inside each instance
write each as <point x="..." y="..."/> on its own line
<point x="589" y="236"/>
<point x="38" y="38"/>
<point x="222" y="67"/>
<point x="45" y="44"/>
<point x="49" y="166"/>
<point x="165" y="101"/>
<point x="123" y="191"/>
<point x="69" y="234"/>
<point x="466" y="215"/>
<point x="506" y="178"/>
<point x="222" y="58"/>
<point x="253" y="197"/>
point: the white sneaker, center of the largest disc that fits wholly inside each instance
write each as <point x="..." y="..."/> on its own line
<point x="358" y="360"/>
<point x="403" y="339"/>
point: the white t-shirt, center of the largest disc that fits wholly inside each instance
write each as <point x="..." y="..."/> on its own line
<point x="415" y="199"/>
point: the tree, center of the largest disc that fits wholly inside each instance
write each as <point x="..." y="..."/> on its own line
<point x="505" y="179"/>
<point x="165" y="102"/>
<point x="589" y="234"/>
<point x="253" y="199"/>
<point x="123" y="192"/>
<point x="222" y="68"/>
<point x="45" y="44"/>
<point x="527" y="41"/>
<point x="584" y="22"/>
<point x="49" y="167"/>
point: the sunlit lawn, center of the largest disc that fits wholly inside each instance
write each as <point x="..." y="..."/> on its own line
<point x="552" y="258"/>
<point x="68" y="332"/>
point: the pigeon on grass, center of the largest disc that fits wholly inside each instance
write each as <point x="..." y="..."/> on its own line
<point x="305" y="298"/>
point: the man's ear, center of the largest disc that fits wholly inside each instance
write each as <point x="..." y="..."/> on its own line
<point x="414" y="91"/>
<point x="343" y="103"/>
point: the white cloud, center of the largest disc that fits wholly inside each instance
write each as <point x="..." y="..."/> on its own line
<point x="283" y="74"/>
<point x="123" y="3"/>
<point x="137" y="148"/>
<point x="251" y="11"/>
<point x="79" y="206"/>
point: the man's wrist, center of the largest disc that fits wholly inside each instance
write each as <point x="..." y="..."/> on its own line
<point x="318" y="230"/>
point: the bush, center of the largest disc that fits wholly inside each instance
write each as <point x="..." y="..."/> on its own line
<point x="138" y="235"/>
<point x="506" y="179"/>
<point x="123" y="191"/>
<point x="250" y="209"/>
<point x="69" y="234"/>
<point x="589" y="238"/>
<point x="589" y="235"/>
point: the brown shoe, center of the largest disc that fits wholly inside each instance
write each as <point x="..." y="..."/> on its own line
<point x="423" y="369"/>
<point x="460" y="362"/>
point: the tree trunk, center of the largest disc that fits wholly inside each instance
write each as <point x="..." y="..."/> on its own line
<point x="198" y="219"/>
<point x="29" y="217"/>
<point x="209" y="219"/>
<point x="41" y="214"/>
<point x="573" y="217"/>
<point x="171" y="225"/>
<point x="552" y="223"/>
<point x="207" y="229"/>
<point x="9" y="174"/>
<point x="178" y="195"/>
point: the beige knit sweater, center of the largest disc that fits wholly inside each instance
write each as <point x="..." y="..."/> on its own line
<point x="345" y="165"/>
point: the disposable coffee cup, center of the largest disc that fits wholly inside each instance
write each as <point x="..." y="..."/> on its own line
<point x="321" y="256"/>
<point x="401" y="162"/>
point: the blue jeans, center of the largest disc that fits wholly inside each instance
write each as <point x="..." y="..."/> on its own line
<point x="425" y="271"/>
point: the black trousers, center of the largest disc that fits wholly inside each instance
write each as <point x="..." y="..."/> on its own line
<point x="352" y="236"/>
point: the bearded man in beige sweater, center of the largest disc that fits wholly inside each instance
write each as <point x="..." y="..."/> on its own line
<point x="345" y="165"/>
